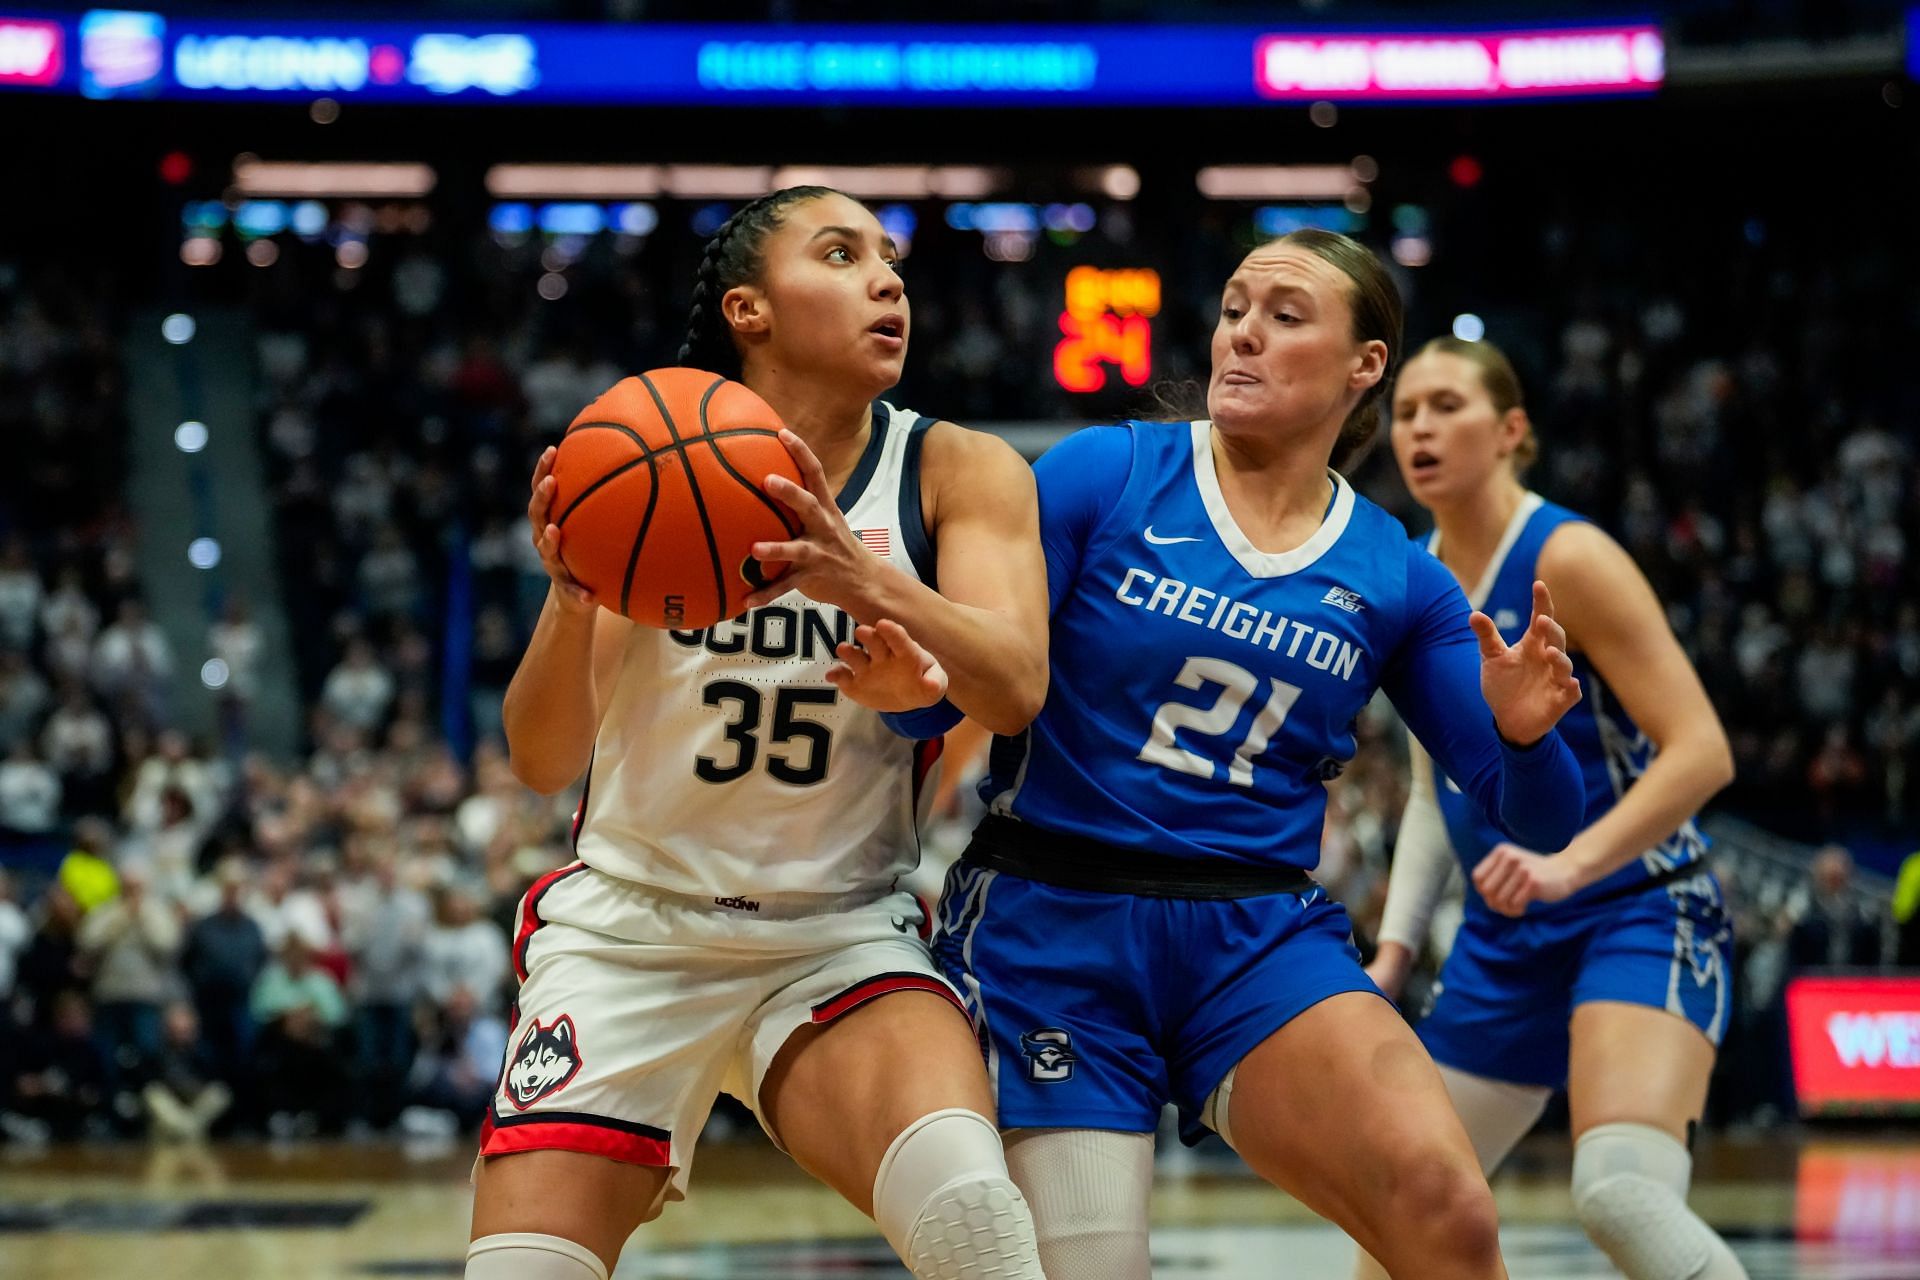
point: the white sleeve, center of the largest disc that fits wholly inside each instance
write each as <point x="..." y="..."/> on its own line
<point x="1422" y="859"/>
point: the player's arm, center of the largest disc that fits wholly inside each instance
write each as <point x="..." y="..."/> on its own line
<point x="986" y="626"/>
<point x="566" y="677"/>
<point x="1437" y="679"/>
<point x="1422" y="860"/>
<point x="1612" y="615"/>
<point x="1080" y="481"/>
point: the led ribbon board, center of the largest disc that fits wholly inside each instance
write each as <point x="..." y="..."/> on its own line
<point x="128" y="53"/>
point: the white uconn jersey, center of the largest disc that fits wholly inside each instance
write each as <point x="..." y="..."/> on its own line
<point x="726" y="766"/>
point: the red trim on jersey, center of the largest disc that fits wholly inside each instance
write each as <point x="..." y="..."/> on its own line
<point x="580" y="814"/>
<point x="530" y="913"/>
<point x="925" y="755"/>
<point x="589" y="1135"/>
<point x="926" y="918"/>
<point x="882" y="984"/>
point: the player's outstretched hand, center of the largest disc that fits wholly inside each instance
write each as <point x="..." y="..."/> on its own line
<point x="1511" y="877"/>
<point x="1530" y="685"/>
<point x="568" y="595"/>
<point x="829" y="563"/>
<point x="886" y="670"/>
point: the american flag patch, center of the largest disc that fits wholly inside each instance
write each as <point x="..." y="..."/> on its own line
<point x="877" y="541"/>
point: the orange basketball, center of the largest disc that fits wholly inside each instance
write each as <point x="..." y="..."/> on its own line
<point x="657" y="492"/>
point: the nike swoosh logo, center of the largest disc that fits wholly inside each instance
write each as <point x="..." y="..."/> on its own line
<point x="1165" y="542"/>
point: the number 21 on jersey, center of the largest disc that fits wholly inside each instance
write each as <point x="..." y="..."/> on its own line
<point x="1238" y="686"/>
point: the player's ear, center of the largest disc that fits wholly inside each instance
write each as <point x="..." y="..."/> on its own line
<point x="745" y="309"/>
<point x="1515" y="426"/>
<point x="1370" y="365"/>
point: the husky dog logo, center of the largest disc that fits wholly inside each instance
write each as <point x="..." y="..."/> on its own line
<point x="545" y="1060"/>
<point x="1049" y="1055"/>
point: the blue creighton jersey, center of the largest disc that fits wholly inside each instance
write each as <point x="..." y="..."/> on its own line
<point x="1611" y="750"/>
<point x="1203" y="691"/>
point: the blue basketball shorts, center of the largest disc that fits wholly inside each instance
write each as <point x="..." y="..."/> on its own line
<point x="1096" y="1008"/>
<point x="1507" y="993"/>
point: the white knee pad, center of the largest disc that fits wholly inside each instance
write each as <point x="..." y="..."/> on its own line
<point x="1495" y="1113"/>
<point x="945" y="1203"/>
<point x="522" y="1255"/>
<point x="1216" y="1111"/>
<point x="1630" y="1192"/>
<point x="1089" y="1190"/>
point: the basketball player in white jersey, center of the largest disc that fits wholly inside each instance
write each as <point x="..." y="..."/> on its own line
<point x="734" y="922"/>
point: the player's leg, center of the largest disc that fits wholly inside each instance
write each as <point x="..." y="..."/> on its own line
<point x="1651" y="1003"/>
<point x="1343" y="1109"/>
<point x="1498" y="1033"/>
<point x="613" y="1063"/>
<point x="1292" y="1055"/>
<point x="557" y="1215"/>
<point x="1090" y="1191"/>
<point x="1059" y="982"/>
<point x="888" y="1104"/>
<point x="1496" y="1115"/>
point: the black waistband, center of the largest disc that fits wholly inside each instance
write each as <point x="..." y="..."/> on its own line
<point x="1685" y="871"/>
<point x="1079" y="862"/>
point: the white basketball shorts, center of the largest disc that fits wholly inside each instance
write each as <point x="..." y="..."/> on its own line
<point x="637" y="1007"/>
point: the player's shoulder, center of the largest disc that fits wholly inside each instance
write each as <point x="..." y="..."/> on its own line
<point x="1377" y="529"/>
<point x="1400" y="570"/>
<point x="963" y="470"/>
<point x="1112" y="447"/>
<point x="1573" y="544"/>
<point x="945" y="443"/>
<point x="1592" y="576"/>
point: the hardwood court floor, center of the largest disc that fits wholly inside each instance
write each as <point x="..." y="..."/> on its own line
<point x="1806" y="1207"/>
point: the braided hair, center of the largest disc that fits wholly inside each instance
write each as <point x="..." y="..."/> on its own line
<point x="732" y="258"/>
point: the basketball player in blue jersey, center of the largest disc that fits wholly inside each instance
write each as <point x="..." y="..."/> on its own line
<point x="1134" y="921"/>
<point x="735" y="921"/>
<point x="1602" y="967"/>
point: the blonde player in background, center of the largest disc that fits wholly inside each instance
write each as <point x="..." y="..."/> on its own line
<point x="1602" y="967"/>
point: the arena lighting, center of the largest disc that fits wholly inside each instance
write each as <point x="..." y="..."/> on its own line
<point x="1119" y="181"/>
<point x="214" y="673"/>
<point x="282" y="178"/>
<point x="190" y="437"/>
<point x="732" y="182"/>
<point x="178" y="328"/>
<point x="1469" y="327"/>
<point x="200" y="251"/>
<point x="585" y="181"/>
<point x="1277" y="181"/>
<point x="717" y="181"/>
<point x="897" y="182"/>
<point x="203" y="553"/>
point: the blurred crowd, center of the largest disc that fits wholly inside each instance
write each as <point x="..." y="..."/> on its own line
<point x="232" y="942"/>
<point x="1734" y="423"/>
